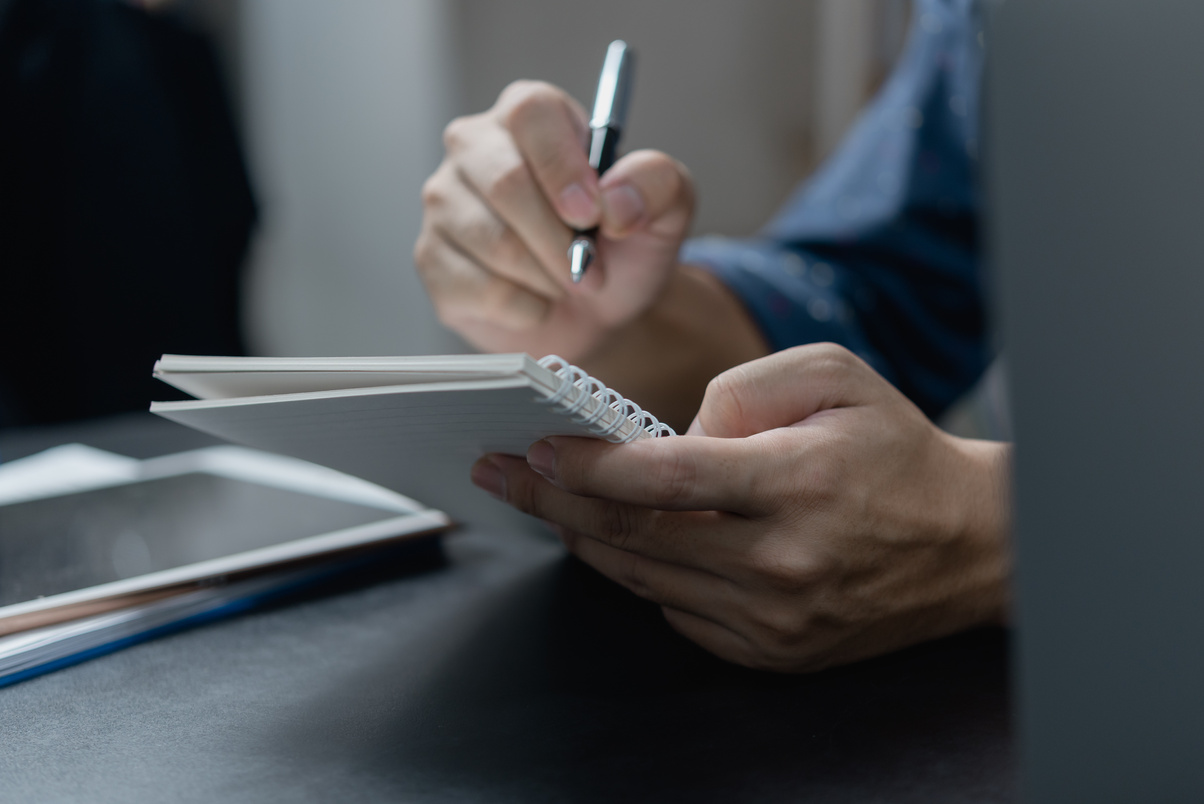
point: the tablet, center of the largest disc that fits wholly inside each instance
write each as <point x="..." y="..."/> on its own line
<point x="88" y="531"/>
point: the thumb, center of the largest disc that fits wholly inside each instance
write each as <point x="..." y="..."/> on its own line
<point x="785" y="388"/>
<point x="647" y="190"/>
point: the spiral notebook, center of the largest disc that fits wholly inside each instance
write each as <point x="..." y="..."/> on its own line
<point x="412" y="424"/>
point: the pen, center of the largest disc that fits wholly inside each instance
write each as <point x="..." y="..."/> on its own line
<point x="606" y="125"/>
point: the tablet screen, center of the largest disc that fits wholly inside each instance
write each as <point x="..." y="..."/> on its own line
<point x="75" y="541"/>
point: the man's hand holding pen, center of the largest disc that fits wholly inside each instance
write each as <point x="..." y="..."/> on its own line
<point x="504" y="207"/>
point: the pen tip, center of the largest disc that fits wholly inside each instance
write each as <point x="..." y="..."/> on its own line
<point x="581" y="254"/>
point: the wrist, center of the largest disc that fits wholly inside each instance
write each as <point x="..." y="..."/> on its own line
<point x="984" y="525"/>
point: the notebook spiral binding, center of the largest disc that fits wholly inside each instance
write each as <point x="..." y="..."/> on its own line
<point x="577" y="388"/>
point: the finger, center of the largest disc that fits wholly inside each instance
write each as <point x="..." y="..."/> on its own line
<point x="700" y="540"/>
<point x="785" y="388"/>
<point x="489" y="163"/>
<point x="669" y="474"/>
<point x="705" y="595"/>
<point x="646" y="190"/>
<point x="549" y="128"/>
<point x="464" y="220"/>
<point x="465" y="292"/>
<point x="711" y="636"/>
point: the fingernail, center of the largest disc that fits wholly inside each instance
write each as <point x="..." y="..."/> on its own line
<point x="486" y="475"/>
<point x="578" y="206"/>
<point x="542" y="459"/>
<point x="624" y="206"/>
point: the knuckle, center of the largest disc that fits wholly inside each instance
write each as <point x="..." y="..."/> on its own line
<point x="618" y="525"/>
<point x="780" y="630"/>
<point x="722" y="399"/>
<point x="785" y="568"/>
<point x="515" y="91"/>
<point x="478" y="231"/>
<point x="433" y="194"/>
<point x="675" y="476"/>
<point x="663" y="168"/>
<point x="571" y="474"/>
<point x="727" y="385"/>
<point x="822" y="484"/>
<point x="524" y="99"/>
<point x="666" y="178"/>
<point x="455" y="133"/>
<point x="503" y="246"/>
<point x="508" y="184"/>
<point x="831" y="359"/>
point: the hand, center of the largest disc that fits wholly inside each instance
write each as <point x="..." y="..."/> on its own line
<point x="498" y="219"/>
<point x="812" y="515"/>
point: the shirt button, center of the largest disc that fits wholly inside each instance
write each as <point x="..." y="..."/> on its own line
<point x="794" y="264"/>
<point x="820" y="310"/>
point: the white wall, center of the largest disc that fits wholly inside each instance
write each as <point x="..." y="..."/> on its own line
<point x="723" y="86"/>
<point x="343" y="105"/>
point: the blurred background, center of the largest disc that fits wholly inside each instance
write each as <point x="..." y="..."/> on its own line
<point x="225" y="176"/>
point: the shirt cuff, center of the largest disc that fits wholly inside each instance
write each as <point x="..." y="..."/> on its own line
<point x="794" y="297"/>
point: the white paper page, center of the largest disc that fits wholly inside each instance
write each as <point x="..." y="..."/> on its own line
<point x="419" y="443"/>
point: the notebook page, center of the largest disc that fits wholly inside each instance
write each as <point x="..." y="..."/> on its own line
<point x="420" y="443"/>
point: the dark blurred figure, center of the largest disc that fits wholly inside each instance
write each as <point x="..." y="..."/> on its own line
<point x="125" y="207"/>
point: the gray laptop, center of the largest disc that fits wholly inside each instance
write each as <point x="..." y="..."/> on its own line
<point x="1096" y="195"/>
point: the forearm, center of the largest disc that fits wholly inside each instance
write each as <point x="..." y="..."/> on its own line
<point x="665" y="358"/>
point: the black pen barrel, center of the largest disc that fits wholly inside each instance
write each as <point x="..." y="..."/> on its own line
<point x="603" y="148"/>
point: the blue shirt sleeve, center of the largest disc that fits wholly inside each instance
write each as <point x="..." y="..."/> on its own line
<point x="879" y="250"/>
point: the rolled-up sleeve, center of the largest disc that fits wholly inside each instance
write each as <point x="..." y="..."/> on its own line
<point x="879" y="250"/>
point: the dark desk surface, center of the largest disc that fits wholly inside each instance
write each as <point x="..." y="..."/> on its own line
<point x="509" y="673"/>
